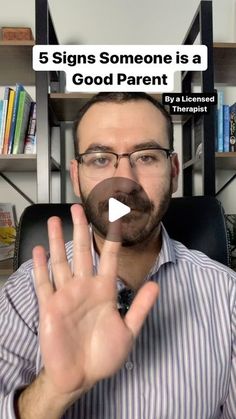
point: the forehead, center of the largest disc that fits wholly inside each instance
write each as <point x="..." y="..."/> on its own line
<point x="124" y="124"/>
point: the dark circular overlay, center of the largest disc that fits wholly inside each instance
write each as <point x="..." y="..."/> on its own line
<point x="127" y="229"/>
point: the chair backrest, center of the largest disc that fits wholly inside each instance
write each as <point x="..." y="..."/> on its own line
<point x="198" y="222"/>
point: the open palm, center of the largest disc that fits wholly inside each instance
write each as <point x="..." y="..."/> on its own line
<point x="83" y="338"/>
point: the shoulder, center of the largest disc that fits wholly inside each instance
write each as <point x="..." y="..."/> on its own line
<point x="18" y="297"/>
<point x="205" y="270"/>
<point x="200" y="259"/>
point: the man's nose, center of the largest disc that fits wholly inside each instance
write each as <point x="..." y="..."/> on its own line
<point x="124" y="169"/>
<point x="124" y="186"/>
<point x="125" y="174"/>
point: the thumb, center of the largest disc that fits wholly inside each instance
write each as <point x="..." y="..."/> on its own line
<point x="142" y="304"/>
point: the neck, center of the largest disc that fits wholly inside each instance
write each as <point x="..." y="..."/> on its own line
<point x="135" y="261"/>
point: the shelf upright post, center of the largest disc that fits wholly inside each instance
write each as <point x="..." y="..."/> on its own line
<point x="42" y="83"/>
<point x="202" y="25"/>
<point x="206" y="38"/>
<point x="186" y="138"/>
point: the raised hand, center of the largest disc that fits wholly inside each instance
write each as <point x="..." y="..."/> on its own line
<point x="83" y="338"/>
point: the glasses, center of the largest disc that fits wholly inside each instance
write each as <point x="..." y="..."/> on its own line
<point x="103" y="164"/>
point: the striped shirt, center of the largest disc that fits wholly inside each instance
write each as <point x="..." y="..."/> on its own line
<point x="183" y="364"/>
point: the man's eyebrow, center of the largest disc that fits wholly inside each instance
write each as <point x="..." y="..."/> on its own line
<point x="98" y="147"/>
<point x="139" y="146"/>
<point x="147" y="144"/>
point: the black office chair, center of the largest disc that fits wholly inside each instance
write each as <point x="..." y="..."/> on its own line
<point x="198" y="222"/>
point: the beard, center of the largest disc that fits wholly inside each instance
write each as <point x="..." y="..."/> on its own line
<point x="136" y="227"/>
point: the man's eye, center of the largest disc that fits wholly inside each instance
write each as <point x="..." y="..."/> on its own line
<point x="100" y="161"/>
<point x="147" y="159"/>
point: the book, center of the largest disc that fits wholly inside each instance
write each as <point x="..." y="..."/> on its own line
<point x="7" y="231"/>
<point x="220" y="119"/>
<point x="232" y="138"/>
<point x="226" y="128"/>
<point x="4" y="117"/>
<point x="8" y="120"/>
<point x="1" y="120"/>
<point x="21" y="122"/>
<point x="216" y="127"/>
<point x="32" y="119"/>
<point x="19" y="88"/>
<point x="30" y="139"/>
<point x="30" y="144"/>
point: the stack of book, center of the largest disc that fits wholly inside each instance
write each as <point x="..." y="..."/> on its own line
<point x="225" y="126"/>
<point x="7" y="231"/>
<point x="17" y="122"/>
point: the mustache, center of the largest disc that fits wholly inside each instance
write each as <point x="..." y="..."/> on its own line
<point x="135" y="202"/>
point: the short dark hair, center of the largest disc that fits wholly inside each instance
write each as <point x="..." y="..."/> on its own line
<point x="122" y="97"/>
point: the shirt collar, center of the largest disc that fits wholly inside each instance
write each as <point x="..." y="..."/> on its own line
<point x="166" y="255"/>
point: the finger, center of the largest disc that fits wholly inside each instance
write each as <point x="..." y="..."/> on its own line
<point x="43" y="285"/>
<point x="108" y="266"/>
<point x="60" y="267"/>
<point x="141" y="306"/>
<point x="82" y="256"/>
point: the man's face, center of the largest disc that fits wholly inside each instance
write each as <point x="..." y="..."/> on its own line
<point x="123" y="128"/>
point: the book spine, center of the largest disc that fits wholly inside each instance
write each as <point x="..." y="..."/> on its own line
<point x="220" y="117"/>
<point x="30" y="144"/>
<point x="19" y="88"/>
<point x="226" y="128"/>
<point x="22" y="122"/>
<point x="4" y="117"/>
<point x="232" y="139"/>
<point x="32" y="119"/>
<point x="30" y="139"/>
<point x="216" y="127"/>
<point x="1" y="121"/>
<point x="18" y="123"/>
<point x="8" y="121"/>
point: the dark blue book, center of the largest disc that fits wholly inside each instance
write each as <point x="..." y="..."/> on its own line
<point x="220" y="102"/>
<point x="232" y="138"/>
<point x="226" y="128"/>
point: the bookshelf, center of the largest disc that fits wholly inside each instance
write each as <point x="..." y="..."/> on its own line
<point x="221" y="70"/>
<point x="223" y="161"/>
<point x="64" y="106"/>
<point x="224" y="63"/>
<point x="22" y="163"/>
<point x="58" y="107"/>
<point x="16" y="66"/>
<point x="16" y="63"/>
<point x="226" y="160"/>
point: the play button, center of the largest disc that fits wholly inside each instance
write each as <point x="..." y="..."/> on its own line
<point x="116" y="209"/>
<point x="119" y="209"/>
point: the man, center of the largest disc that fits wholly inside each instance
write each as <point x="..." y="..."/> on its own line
<point x="168" y="357"/>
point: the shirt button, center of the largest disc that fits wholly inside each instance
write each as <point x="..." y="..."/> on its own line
<point x="129" y="365"/>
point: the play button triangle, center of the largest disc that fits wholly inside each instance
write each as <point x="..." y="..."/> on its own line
<point x="116" y="209"/>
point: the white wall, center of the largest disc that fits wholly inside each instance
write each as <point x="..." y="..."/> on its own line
<point x="115" y="22"/>
<point x="123" y="21"/>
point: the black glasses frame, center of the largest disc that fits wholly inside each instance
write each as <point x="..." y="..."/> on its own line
<point x="79" y="157"/>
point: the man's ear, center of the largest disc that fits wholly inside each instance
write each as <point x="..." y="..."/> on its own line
<point x="74" y="175"/>
<point x="174" y="172"/>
